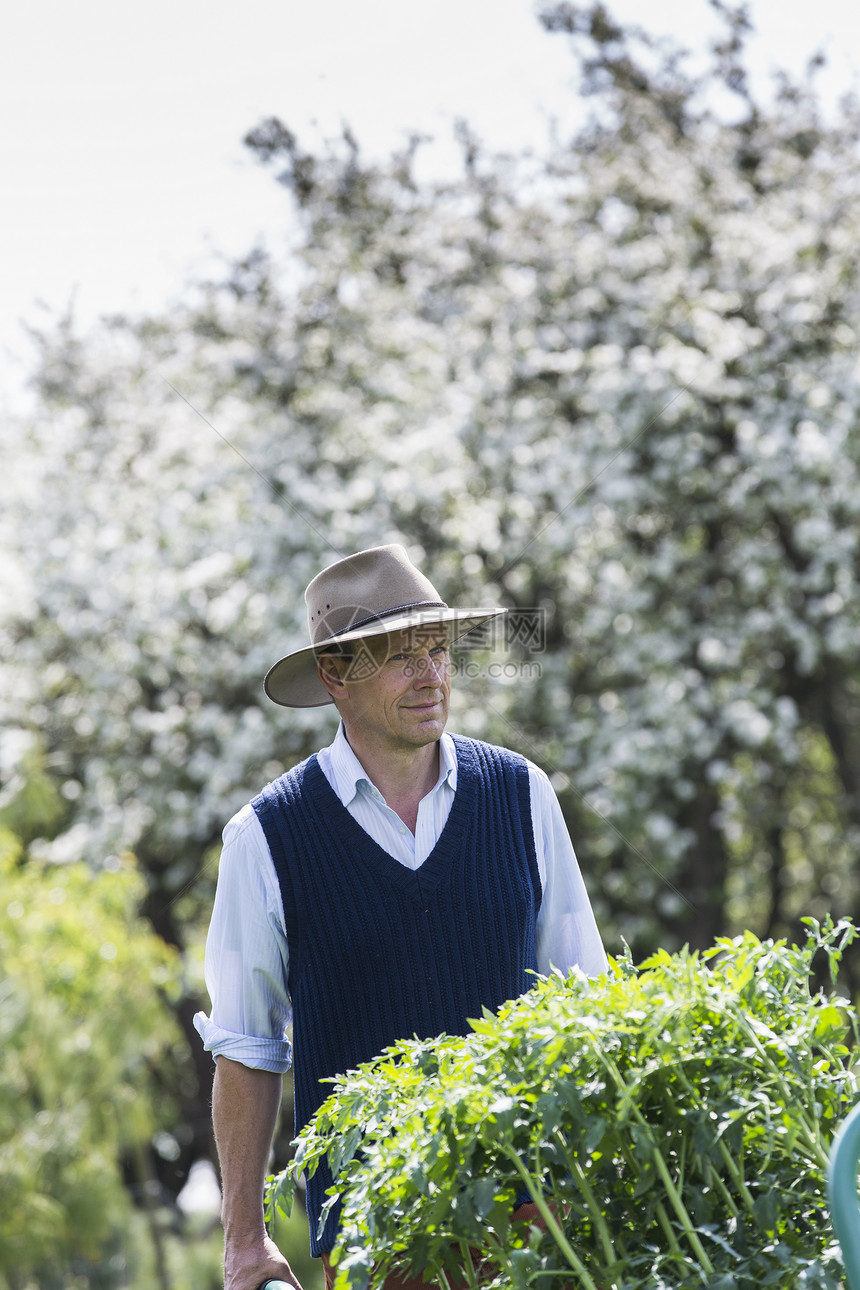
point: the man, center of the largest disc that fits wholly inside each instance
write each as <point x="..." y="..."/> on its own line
<point x="391" y="885"/>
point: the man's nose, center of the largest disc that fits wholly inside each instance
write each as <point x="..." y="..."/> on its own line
<point x="428" y="670"/>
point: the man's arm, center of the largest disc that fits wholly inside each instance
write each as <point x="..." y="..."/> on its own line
<point x="567" y="933"/>
<point x="245" y="1105"/>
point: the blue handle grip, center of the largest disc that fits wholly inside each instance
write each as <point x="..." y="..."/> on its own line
<point x="842" y="1190"/>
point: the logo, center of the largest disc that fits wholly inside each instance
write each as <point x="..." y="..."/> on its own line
<point x="513" y="635"/>
<point x="517" y="631"/>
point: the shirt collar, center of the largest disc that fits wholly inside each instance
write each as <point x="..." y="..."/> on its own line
<point x="349" y="776"/>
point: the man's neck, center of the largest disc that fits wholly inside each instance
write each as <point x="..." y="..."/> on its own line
<point x="403" y="776"/>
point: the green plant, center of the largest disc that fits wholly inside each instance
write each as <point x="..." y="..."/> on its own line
<point x="86" y="1043"/>
<point x="671" y="1122"/>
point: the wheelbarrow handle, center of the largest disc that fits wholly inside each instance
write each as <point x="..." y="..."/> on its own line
<point x="842" y="1190"/>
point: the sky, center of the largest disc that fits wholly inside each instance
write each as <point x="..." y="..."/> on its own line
<point x="121" y="127"/>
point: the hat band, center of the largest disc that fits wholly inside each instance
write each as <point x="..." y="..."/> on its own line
<point x="387" y="613"/>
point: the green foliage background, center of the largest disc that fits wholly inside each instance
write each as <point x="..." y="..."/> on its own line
<point x="616" y="384"/>
<point x="89" y="1061"/>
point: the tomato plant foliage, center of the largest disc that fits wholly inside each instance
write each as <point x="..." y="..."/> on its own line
<point x="671" y="1122"/>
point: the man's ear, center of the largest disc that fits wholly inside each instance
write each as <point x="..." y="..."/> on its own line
<point x="329" y="669"/>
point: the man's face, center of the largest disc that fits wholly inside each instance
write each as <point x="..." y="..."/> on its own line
<point x="397" y="689"/>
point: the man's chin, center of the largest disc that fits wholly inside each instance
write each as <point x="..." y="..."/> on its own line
<point x="428" y="730"/>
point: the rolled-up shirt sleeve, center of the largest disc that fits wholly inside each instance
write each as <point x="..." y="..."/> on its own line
<point x="567" y="934"/>
<point x="246" y="955"/>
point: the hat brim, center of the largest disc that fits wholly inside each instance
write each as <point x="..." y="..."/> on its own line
<point x="294" y="682"/>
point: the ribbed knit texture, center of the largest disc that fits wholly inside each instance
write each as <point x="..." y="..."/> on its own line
<point x="379" y="952"/>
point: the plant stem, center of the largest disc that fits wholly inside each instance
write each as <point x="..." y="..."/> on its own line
<point x="736" y="1176"/>
<point x="681" y="1211"/>
<point x="665" y="1177"/>
<point x="715" y="1181"/>
<point x="593" y="1207"/>
<point x="668" y="1230"/>
<point x="550" y="1219"/>
<point x="788" y="1097"/>
<point x="467" y="1265"/>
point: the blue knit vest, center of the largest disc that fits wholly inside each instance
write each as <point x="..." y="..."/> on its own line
<point x="379" y="952"/>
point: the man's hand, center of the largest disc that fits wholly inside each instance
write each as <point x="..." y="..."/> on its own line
<point x="247" y="1266"/>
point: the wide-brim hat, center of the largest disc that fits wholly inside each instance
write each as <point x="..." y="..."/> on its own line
<point x="368" y="594"/>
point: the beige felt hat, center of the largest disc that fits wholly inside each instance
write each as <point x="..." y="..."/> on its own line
<point x="368" y="594"/>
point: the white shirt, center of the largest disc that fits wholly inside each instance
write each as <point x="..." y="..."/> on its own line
<point x="246" y="949"/>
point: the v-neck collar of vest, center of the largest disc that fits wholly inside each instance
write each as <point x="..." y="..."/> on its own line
<point x="420" y="883"/>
